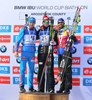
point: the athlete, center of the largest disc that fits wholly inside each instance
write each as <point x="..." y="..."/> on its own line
<point x="44" y="36"/>
<point x="62" y="37"/>
<point x="28" y="37"/>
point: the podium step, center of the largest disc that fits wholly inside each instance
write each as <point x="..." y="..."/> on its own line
<point x="36" y="96"/>
<point x="58" y="96"/>
<point x="21" y="96"/>
<point x="43" y="96"/>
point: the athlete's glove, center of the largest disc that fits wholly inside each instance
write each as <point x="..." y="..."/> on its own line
<point x="73" y="38"/>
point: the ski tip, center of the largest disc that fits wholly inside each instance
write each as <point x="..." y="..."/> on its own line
<point x="26" y="15"/>
<point x="79" y="8"/>
<point x="45" y="13"/>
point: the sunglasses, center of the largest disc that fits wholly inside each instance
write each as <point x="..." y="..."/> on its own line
<point x="60" y="22"/>
<point x="47" y="21"/>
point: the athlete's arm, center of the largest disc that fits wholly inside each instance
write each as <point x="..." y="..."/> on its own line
<point x="74" y="39"/>
<point x="19" y="38"/>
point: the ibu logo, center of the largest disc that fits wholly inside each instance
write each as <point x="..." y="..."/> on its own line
<point x="87" y="82"/>
<point x="16" y="80"/>
<point x="5" y="28"/>
<point x="4" y="69"/>
<point x="75" y="71"/>
<point x="88" y="39"/>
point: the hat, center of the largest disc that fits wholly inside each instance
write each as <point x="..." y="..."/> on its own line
<point x="61" y="19"/>
<point x="32" y="19"/>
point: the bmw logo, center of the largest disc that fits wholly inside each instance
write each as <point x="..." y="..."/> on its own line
<point x="89" y="61"/>
<point x="74" y="50"/>
<point x="18" y="59"/>
<point x="3" y="49"/>
<point x="36" y="70"/>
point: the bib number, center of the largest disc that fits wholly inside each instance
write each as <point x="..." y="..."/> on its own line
<point x="45" y="39"/>
<point x="32" y="39"/>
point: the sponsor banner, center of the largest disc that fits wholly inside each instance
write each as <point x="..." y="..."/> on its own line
<point x="88" y="29"/>
<point x="5" y="38"/>
<point x="88" y="39"/>
<point x="76" y="60"/>
<point x="75" y="81"/>
<point x="16" y="70"/>
<point x="87" y="71"/>
<point x="55" y="50"/>
<point x="4" y="69"/>
<point x="56" y="26"/>
<point x="16" y="80"/>
<point x="87" y="50"/>
<point x="36" y="60"/>
<point x="55" y="60"/>
<point x="4" y="80"/>
<point x="4" y="59"/>
<point x="37" y="41"/>
<point x="55" y="70"/>
<point x="35" y="81"/>
<point x="87" y="82"/>
<point x="79" y="38"/>
<point x="17" y="28"/>
<point x="39" y="15"/>
<point x="19" y="51"/>
<point x="5" y="28"/>
<point x="75" y="71"/>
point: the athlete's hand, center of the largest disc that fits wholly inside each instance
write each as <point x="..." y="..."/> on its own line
<point x="16" y="54"/>
<point x="73" y="38"/>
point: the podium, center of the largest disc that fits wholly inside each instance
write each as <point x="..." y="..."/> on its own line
<point x="21" y="96"/>
<point x="43" y="96"/>
<point x="59" y="96"/>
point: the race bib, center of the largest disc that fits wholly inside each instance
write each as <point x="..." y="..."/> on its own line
<point x="32" y="39"/>
<point x="44" y="39"/>
<point x="29" y="39"/>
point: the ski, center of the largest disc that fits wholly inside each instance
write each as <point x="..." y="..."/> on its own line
<point x="65" y="56"/>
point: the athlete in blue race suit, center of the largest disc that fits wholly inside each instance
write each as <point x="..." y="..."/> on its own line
<point x="28" y="36"/>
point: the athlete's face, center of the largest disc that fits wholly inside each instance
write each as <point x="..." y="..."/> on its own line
<point x="31" y="24"/>
<point x="60" y="24"/>
<point x="45" y="23"/>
